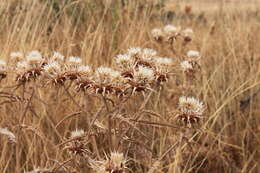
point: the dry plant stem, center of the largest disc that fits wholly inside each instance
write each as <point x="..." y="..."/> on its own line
<point x="109" y="124"/>
<point x="138" y="116"/>
<point x="154" y="123"/>
<point x="67" y="117"/>
<point x="62" y="164"/>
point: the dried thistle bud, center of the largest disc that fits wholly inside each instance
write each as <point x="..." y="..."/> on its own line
<point x="162" y="68"/>
<point x="144" y="75"/>
<point x="26" y="72"/>
<point x="193" y="55"/>
<point x="84" y="71"/>
<point x="77" y="133"/>
<point x="116" y="163"/>
<point x="187" y="35"/>
<point x="186" y="66"/>
<point x="157" y="34"/>
<point x="134" y="51"/>
<point x="124" y="61"/>
<point x="53" y="68"/>
<point x="3" y="73"/>
<point x="170" y="30"/>
<point x="190" y="110"/>
<point x="77" y="145"/>
<point x="105" y="79"/>
<point x="106" y="75"/>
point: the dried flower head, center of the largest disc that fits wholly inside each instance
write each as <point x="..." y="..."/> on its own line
<point x="53" y="68"/>
<point x="144" y="75"/>
<point x="134" y="51"/>
<point x="125" y="62"/>
<point x="162" y="68"/>
<point x="105" y="80"/>
<point x="115" y="164"/>
<point x="27" y="71"/>
<point x="3" y="69"/>
<point x="193" y="54"/>
<point x="157" y="34"/>
<point x="77" y="145"/>
<point x="187" y="35"/>
<point x="148" y="53"/>
<point x="2" y="65"/>
<point x="170" y="29"/>
<point x="186" y="66"/>
<point x="34" y="57"/>
<point x="106" y="74"/>
<point x="190" y="110"/>
<point x="84" y="70"/>
<point x="187" y="32"/>
<point x="77" y="133"/>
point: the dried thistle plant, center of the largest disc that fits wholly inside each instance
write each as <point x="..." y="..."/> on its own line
<point x="190" y="111"/>
<point x="77" y="144"/>
<point x="116" y="163"/>
<point x="170" y="34"/>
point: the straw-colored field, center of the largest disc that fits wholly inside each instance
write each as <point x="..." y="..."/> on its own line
<point x="98" y="106"/>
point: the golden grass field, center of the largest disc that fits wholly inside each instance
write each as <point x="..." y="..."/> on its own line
<point x="37" y="116"/>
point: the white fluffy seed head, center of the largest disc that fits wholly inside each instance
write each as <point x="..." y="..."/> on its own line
<point x="186" y="66"/>
<point x="107" y="75"/>
<point x="73" y="60"/>
<point x="193" y="54"/>
<point x="188" y="32"/>
<point x="133" y="51"/>
<point x="157" y="33"/>
<point x="149" y="52"/>
<point x="124" y="61"/>
<point x="144" y="74"/>
<point x="77" y="133"/>
<point x="191" y="105"/>
<point x="34" y="57"/>
<point x="2" y="65"/>
<point x="52" y="68"/>
<point x="170" y="30"/>
<point x="118" y="159"/>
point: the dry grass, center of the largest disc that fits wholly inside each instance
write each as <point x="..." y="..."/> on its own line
<point x="143" y="128"/>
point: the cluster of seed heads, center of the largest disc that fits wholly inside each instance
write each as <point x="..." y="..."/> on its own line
<point x="137" y="70"/>
<point x="170" y="33"/>
<point x="191" y="65"/>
